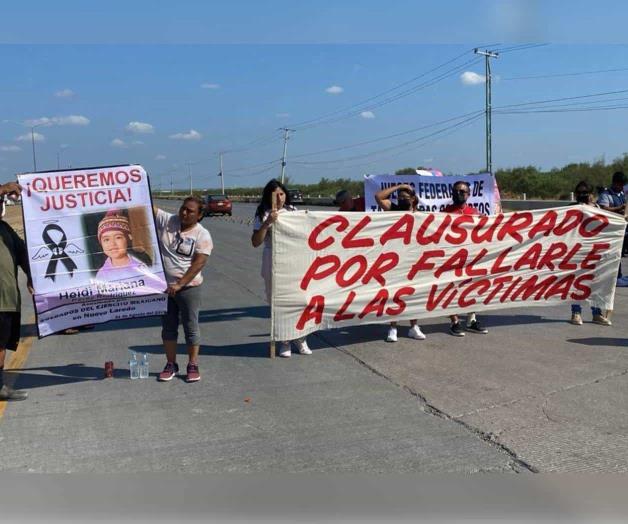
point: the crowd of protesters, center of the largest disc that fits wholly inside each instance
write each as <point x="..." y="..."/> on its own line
<point x="186" y="245"/>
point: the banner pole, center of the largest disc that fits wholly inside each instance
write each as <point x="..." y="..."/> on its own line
<point x="272" y="352"/>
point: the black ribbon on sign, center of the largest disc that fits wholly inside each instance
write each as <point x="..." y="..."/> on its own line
<point x="58" y="252"/>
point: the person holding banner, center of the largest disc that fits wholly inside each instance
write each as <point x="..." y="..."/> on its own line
<point x="584" y="196"/>
<point x="460" y="195"/>
<point x="12" y="254"/>
<point x="406" y="201"/>
<point x="275" y="200"/>
<point x="185" y="246"/>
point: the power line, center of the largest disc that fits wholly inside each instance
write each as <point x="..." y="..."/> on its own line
<point x="559" y="75"/>
<point x="379" y="95"/>
<point x="396" y="97"/>
<point x="395" y="135"/>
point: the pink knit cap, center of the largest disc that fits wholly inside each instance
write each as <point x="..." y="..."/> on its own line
<point x="113" y="221"/>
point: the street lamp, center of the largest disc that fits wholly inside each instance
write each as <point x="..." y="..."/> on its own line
<point x="32" y="137"/>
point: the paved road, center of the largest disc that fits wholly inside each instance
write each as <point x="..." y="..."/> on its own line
<point x="536" y="394"/>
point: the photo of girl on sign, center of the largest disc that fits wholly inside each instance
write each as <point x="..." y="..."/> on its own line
<point x="119" y="244"/>
<point x="114" y="236"/>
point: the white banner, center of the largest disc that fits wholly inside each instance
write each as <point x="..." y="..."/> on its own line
<point x="434" y="192"/>
<point x="92" y="246"/>
<point x="339" y="269"/>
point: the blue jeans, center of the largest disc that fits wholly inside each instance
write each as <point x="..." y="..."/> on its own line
<point x="577" y="308"/>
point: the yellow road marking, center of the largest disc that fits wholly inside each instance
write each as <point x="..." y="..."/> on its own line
<point x="20" y="356"/>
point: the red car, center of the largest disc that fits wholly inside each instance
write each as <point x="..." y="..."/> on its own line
<point x="217" y="205"/>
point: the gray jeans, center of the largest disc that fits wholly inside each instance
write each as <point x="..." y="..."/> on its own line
<point x="185" y="304"/>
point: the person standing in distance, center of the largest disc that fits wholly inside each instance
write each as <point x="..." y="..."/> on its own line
<point x="613" y="199"/>
<point x="406" y="201"/>
<point x="275" y="200"/>
<point x="460" y="195"/>
<point x="185" y="246"/>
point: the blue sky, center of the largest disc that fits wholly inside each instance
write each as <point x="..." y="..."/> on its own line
<point x="166" y="85"/>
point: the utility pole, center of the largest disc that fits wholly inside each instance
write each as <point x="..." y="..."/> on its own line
<point x="33" y="144"/>
<point x="221" y="174"/>
<point x="487" y="86"/>
<point x="285" y="150"/>
<point x="171" y="183"/>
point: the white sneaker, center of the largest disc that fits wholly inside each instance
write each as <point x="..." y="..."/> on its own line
<point x="302" y="345"/>
<point x="392" y="335"/>
<point x="284" y="350"/>
<point x="622" y="282"/>
<point x="416" y="333"/>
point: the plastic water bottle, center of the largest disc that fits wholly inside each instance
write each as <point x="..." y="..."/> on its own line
<point x="144" y="366"/>
<point x="134" y="366"/>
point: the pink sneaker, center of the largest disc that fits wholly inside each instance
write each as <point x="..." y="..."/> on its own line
<point x="193" y="374"/>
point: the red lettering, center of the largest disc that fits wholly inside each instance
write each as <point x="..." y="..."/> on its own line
<point x="555" y="251"/>
<point x="136" y="175"/>
<point x="397" y="299"/>
<point x="342" y="280"/>
<point x="515" y="223"/>
<point x="384" y="262"/>
<point x="470" y="269"/>
<point x="533" y="287"/>
<point x="313" y="241"/>
<point x="565" y="263"/>
<point x="313" y="311"/>
<point x="478" y="236"/>
<point x="458" y="234"/>
<point x="498" y="284"/>
<point x="401" y="229"/>
<point x="321" y="268"/>
<point x="341" y="315"/>
<point x="455" y="262"/>
<point x="376" y="305"/>
<point x="432" y="238"/>
<point x="592" y="256"/>
<point x="350" y="241"/>
<point x="423" y="262"/>
<point x="560" y="288"/>
<point x="545" y="225"/>
<point x="572" y="218"/>
<point x="530" y="258"/>
<point x="482" y="285"/>
<point x="585" y="291"/>
<point x="433" y="301"/>
<point x="585" y="233"/>
<point x="497" y="265"/>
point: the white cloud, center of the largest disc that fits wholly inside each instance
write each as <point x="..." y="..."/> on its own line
<point x="141" y="128"/>
<point x="210" y="86"/>
<point x="470" y="78"/>
<point x="27" y="137"/>
<point x="70" y="120"/>
<point x="334" y="90"/>
<point x="367" y="114"/>
<point x="283" y="115"/>
<point x="138" y="142"/>
<point x="117" y="142"/>
<point x="10" y="149"/>
<point x="160" y="157"/>
<point x="65" y="93"/>
<point x="190" y="135"/>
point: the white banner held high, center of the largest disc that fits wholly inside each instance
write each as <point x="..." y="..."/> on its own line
<point x="434" y="192"/>
<point x="92" y="246"/>
<point x="333" y="269"/>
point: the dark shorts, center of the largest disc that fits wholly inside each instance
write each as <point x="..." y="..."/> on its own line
<point x="9" y="330"/>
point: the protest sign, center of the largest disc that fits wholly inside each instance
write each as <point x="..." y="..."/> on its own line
<point x="332" y="269"/>
<point x="434" y="192"/>
<point x="92" y="246"/>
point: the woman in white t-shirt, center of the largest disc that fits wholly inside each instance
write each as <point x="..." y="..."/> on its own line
<point x="265" y="216"/>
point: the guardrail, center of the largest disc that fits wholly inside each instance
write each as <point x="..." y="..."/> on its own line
<point x="508" y="205"/>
